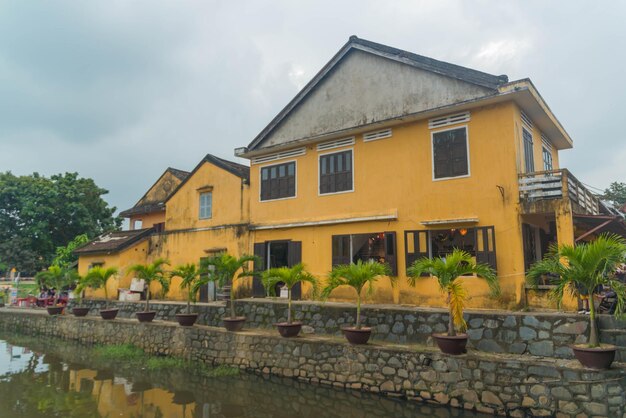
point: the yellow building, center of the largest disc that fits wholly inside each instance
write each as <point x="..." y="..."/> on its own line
<point x="204" y="213"/>
<point x="392" y="156"/>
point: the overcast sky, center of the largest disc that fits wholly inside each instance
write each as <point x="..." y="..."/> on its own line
<point x="120" y="90"/>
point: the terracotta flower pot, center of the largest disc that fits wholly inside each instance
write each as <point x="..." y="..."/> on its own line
<point x="453" y="345"/>
<point x="288" y="330"/>
<point x="595" y="358"/>
<point x="109" y="313"/>
<point x="357" y="335"/>
<point x="186" y="320"/>
<point x="80" y="311"/>
<point x="234" y="324"/>
<point x="55" y="310"/>
<point x="145" y="316"/>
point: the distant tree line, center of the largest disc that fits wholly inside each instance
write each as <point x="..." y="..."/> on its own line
<point x="40" y="216"/>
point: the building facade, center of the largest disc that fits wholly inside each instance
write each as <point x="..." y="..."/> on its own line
<point x="392" y="156"/>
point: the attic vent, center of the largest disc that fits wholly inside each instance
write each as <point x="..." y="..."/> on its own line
<point x="373" y="136"/>
<point x="546" y="142"/>
<point x="279" y="156"/>
<point x="448" y="120"/>
<point x="526" y="121"/>
<point x="335" y="144"/>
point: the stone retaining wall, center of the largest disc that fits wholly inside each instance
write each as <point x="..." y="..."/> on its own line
<point x="512" y="385"/>
<point x="540" y="334"/>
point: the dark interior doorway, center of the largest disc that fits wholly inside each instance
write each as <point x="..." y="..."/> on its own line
<point x="283" y="253"/>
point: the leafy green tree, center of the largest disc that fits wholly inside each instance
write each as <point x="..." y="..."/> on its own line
<point x="584" y="268"/>
<point x="97" y="278"/>
<point x="39" y="214"/>
<point x="64" y="256"/>
<point x="225" y="269"/>
<point x="190" y="274"/>
<point x="616" y="193"/>
<point x="153" y="272"/>
<point x="447" y="270"/>
<point x="357" y="276"/>
<point x="290" y="276"/>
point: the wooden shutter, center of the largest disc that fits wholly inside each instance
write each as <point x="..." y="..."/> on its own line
<point x="257" y="286"/>
<point x="486" y="246"/>
<point x="340" y="250"/>
<point x="294" y="256"/>
<point x="415" y="246"/>
<point x="391" y="252"/>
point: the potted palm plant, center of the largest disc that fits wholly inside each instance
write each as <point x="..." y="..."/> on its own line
<point x="584" y="269"/>
<point x="57" y="278"/>
<point x="289" y="276"/>
<point x="226" y="269"/>
<point x="357" y="276"/>
<point x="190" y="275"/>
<point x="79" y="293"/>
<point x="153" y="272"/>
<point x="97" y="278"/>
<point x="447" y="270"/>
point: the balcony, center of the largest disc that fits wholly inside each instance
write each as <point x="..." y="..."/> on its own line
<point x="538" y="191"/>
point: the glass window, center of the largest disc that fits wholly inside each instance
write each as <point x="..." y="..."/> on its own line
<point x="529" y="159"/>
<point x="278" y="181"/>
<point x="547" y="159"/>
<point x="335" y="172"/>
<point x="206" y="205"/>
<point x="450" y="155"/>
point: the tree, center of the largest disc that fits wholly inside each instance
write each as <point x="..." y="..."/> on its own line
<point x="97" y="278"/>
<point x="64" y="256"/>
<point x="290" y="276"/>
<point x="225" y="269"/>
<point x="357" y="276"/>
<point x="447" y="270"/>
<point x="190" y="275"/>
<point x="153" y="272"/>
<point x="582" y="269"/>
<point x="616" y="193"/>
<point x="39" y="214"/>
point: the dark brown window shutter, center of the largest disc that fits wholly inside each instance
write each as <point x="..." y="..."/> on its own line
<point x="257" y="286"/>
<point x="419" y="250"/>
<point x="486" y="246"/>
<point x="340" y="250"/>
<point x="391" y="257"/>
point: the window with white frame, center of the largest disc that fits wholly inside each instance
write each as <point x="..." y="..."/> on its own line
<point x="450" y="153"/>
<point x="206" y="205"/>
<point x="278" y="181"/>
<point x="335" y="172"/>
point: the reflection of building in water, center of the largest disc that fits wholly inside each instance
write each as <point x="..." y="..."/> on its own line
<point x="115" y="397"/>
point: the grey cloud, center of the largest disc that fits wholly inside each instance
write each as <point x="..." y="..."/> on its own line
<point x="121" y="90"/>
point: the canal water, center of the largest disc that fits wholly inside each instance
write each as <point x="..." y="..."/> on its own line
<point x="54" y="378"/>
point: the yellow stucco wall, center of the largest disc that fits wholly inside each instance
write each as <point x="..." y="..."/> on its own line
<point x="230" y="200"/>
<point x="148" y="220"/>
<point x="135" y="254"/>
<point x="395" y="175"/>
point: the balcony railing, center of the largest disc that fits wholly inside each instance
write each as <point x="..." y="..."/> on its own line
<point x="558" y="184"/>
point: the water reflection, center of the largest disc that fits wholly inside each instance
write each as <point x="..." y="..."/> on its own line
<point x="57" y="379"/>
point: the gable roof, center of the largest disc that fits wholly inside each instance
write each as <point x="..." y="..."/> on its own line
<point x="239" y="170"/>
<point x="454" y="71"/>
<point x="142" y="207"/>
<point x="112" y="242"/>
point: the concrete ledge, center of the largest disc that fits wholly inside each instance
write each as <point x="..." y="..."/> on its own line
<point x="501" y="384"/>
